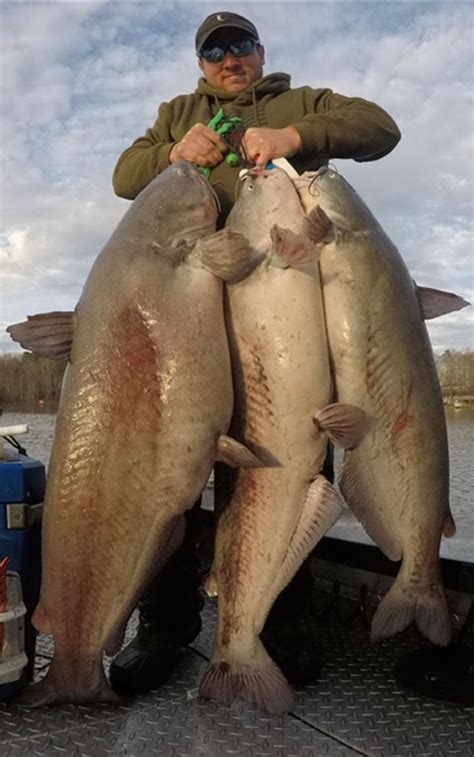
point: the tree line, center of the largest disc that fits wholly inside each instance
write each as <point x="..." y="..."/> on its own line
<point x="27" y="379"/>
<point x="456" y="373"/>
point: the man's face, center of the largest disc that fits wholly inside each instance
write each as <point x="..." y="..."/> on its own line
<point x="232" y="74"/>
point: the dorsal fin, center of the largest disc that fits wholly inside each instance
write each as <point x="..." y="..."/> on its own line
<point x="46" y="334"/>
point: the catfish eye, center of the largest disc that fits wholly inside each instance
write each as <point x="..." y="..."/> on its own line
<point x="249" y="185"/>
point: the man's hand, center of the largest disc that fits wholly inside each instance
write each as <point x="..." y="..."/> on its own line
<point x="262" y="145"/>
<point x="200" y="145"/>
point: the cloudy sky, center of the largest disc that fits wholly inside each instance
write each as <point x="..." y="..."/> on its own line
<point x="81" y="80"/>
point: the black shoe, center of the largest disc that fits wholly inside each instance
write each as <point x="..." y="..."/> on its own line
<point x="148" y="661"/>
<point x="293" y="647"/>
<point x="442" y="673"/>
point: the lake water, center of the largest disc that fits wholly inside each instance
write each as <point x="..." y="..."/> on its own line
<point x="39" y="440"/>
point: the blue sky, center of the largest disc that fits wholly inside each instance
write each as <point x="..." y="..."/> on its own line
<point x="81" y="80"/>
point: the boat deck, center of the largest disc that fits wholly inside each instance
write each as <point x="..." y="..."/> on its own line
<point x="355" y="708"/>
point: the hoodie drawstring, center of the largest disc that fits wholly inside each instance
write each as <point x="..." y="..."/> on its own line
<point x="255" y="106"/>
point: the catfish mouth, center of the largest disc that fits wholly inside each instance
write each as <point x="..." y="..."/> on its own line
<point x="320" y="186"/>
<point x="260" y="171"/>
<point x="201" y="179"/>
<point x="256" y="171"/>
<point x="324" y="172"/>
<point x="339" y="199"/>
<point x="247" y="175"/>
<point x="321" y="171"/>
<point x="277" y="175"/>
<point x="192" y="172"/>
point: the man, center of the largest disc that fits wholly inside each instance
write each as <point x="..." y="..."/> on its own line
<point x="308" y="127"/>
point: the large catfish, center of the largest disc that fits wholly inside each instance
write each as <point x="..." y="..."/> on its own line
<point x="276" y="514"/>
<point x="396" y="480"/>
<point x="146" y="400"/>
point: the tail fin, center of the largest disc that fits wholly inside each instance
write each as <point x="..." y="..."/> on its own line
<point x="426" y="605"/>
<point x="58" y="687"/>
<point x="263" y="684"/>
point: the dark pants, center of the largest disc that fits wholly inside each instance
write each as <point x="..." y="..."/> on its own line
<point x="172" y="600"/>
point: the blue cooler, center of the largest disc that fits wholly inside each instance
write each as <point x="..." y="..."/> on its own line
<point x="22" y="487"/>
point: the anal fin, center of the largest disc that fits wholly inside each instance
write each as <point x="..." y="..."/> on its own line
<point x="320" y="511"/>
<point x="358" y="496"/>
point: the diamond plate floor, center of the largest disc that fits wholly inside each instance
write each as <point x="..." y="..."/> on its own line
<point x="356" y="708"/>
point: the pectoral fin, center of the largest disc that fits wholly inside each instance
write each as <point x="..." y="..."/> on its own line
<point x="435" y="302"/>
<point x="357" y="492"/>
<point x="319" y="226"/>
<point x="343" y="424"/>
<point x="46" y="334"/>
<point x="291" y="250"/>
<point x="227" y="254"/>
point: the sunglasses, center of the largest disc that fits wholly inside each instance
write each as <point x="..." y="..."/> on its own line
<point x="239" y="49"/>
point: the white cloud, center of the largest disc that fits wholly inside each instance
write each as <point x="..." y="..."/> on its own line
<point x="81" y="80"/>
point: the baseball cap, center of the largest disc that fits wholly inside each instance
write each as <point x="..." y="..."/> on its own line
<point x="220" y="20"/>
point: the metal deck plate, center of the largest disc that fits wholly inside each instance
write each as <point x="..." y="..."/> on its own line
<point x="355" y="708"/>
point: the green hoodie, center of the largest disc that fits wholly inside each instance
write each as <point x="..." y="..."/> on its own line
<point x="330" y="126"/>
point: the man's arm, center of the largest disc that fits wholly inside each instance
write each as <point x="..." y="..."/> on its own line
<point x="149" y="155"/>
<point x="346" y="127"/>
<point x="334" y="127"/>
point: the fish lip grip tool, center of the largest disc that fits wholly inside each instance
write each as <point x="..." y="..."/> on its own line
<point x="231" y="131"/>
